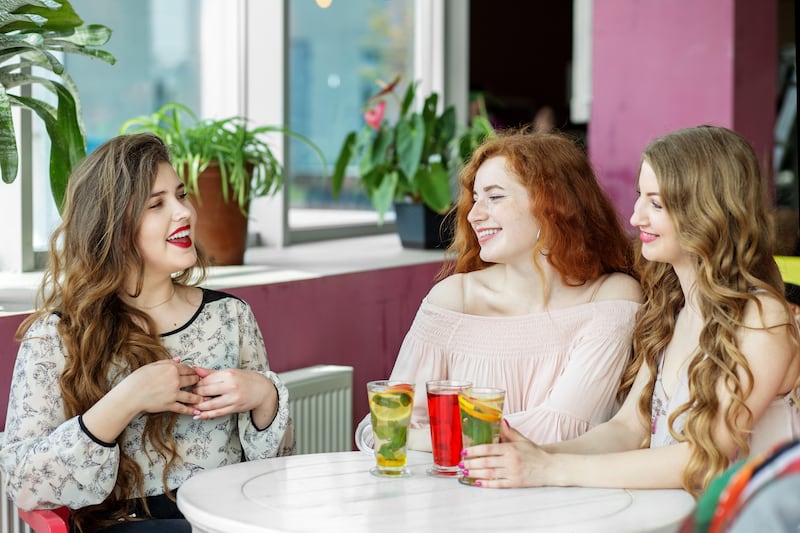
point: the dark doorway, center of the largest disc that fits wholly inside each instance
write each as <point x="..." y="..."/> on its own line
<point x="520" y="57"/>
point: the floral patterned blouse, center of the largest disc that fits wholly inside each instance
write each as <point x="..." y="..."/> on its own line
<point x="49" y="460"/>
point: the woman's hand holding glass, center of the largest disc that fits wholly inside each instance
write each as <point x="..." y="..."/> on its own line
<point x="514" y="462"/>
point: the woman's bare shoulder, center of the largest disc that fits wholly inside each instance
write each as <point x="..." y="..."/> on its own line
<point x="619" y="286"/>
<point x="449" y="293"/>
<point x="768" y="312"/>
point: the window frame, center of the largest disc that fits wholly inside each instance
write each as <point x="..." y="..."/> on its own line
<point x="261" y="93"/>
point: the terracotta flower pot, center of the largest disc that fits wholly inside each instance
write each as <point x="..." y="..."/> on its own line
<point x="221" y="229"/>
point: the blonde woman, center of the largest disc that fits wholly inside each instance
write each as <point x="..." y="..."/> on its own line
<point x="716" y="365"/>
<point x="129" y="378"/>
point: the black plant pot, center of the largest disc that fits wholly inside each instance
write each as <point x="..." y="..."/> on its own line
<point x="421" y="227"/>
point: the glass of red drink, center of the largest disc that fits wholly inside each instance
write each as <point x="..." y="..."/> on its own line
<point x="445" y="420"/>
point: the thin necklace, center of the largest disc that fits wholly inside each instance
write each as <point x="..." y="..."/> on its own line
<point x="162" y="303"/>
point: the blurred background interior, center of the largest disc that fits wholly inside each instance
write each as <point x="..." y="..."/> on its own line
<point x="614" y="73"/>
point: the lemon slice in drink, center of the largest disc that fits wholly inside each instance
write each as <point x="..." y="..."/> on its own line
<point x="480" y="410"/>
<point x="389" y="406"/>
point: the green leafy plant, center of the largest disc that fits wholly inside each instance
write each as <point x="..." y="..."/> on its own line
<point x="31" y="32"/>
<point x="411" y="159"/>
<point x="247" y="163"/>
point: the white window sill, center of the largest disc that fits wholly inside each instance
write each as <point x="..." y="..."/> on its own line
<point x="262" y="266"/>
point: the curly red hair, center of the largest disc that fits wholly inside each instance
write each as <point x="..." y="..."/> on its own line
<point x="581" y="234"/>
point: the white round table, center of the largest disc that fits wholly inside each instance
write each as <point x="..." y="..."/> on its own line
<point x="334" y="492"/>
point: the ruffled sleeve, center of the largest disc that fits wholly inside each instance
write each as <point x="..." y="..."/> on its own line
<point x="48" y="460"/>
<point x="583" y="395"/>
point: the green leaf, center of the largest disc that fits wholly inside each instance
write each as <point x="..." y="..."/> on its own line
<point x="434" y="187"/>
<point x="383" y="196"/>
<point x="408" y="99"/>
<point x="32" y="32"/>
<point x="381" y="147"/>
<point x="67" y="141"/>
<point x="478" y="431"/>
<point x="9" y="160"/>
<point x="37" y="15"/>
<point x="248" y="165"/>
<point x="429" y="109"/>
<point x="410" y="142"/>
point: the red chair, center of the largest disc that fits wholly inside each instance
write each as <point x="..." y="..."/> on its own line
<point x="47" y="520"/>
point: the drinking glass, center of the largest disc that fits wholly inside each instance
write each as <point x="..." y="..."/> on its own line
<point x="481" y="412"/>
<point x="445" y="421"/>
<point x="390" y="405"/>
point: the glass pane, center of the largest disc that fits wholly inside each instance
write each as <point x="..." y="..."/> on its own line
<point x="157" y="47"/>
<point x="335" y="57"/>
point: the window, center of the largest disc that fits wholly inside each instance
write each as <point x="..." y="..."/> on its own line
<point x="335" y="56"/>
<point x="160" y="58"/>
<point x="227" y="57"/>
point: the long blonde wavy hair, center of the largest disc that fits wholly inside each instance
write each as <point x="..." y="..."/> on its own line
<point x="92" y="254"/>
<point x="710" y="184"/>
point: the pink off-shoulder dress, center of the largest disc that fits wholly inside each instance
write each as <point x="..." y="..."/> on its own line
<point x="560" y="368"/>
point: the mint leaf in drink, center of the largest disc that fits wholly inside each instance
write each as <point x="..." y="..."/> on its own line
<point x="387" y="452"/>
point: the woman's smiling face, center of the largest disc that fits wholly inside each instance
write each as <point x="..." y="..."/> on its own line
<point x="501" y="214"/>
<point x="656" y="229"/>
<point x="166" y="231"/>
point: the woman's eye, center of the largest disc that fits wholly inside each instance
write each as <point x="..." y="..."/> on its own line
<point x="182" y="195"/>
<point x="155" y="205"/>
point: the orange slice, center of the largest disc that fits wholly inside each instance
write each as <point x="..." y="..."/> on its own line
<point x="480" y="410"/>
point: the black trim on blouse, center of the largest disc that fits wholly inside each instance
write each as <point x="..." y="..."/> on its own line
<point x="209" y="296"/>
<point x="95" y="439"/>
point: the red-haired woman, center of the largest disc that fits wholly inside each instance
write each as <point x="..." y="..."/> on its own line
<point x="540" y="300"/>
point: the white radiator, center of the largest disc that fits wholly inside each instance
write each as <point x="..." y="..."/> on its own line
<point x="321" y="405"/>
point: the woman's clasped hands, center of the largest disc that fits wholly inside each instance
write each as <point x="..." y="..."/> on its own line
<point x="514" y="462"/>
<point x="170" y="385"/>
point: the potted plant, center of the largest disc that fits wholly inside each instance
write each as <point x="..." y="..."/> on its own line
<point x="224" y="163"/>
<point x="31" y="32"/>
<point x="410" y="162"/>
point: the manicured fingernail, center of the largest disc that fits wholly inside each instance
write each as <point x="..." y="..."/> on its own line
<point x="196" y="413"/>
<point x="477" y="484"/>
<point x="465" y="472"/>
<point x="461" y="464"/>
<point x="463" y="453"/>
<point x="506" y="423"/>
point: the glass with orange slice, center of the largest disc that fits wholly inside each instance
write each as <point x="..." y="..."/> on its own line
<point x="390" y="405"/>
<point x="481" y="412"/>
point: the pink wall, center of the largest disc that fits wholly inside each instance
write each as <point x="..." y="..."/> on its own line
<point x="356" y="319"/>
<point x="659" y="66"/>
<point x="8" y="353"/>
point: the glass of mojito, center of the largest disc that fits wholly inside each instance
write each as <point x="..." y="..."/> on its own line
<point x="481" y="412"/>
<point x="390" y="404"/>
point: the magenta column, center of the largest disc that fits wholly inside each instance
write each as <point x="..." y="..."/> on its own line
<point x="663" y="65"/>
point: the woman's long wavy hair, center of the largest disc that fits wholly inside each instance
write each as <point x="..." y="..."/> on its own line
<point x="581" y="235"/>
<point x="92" y="254"/>
<point x="710" y="184"/>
